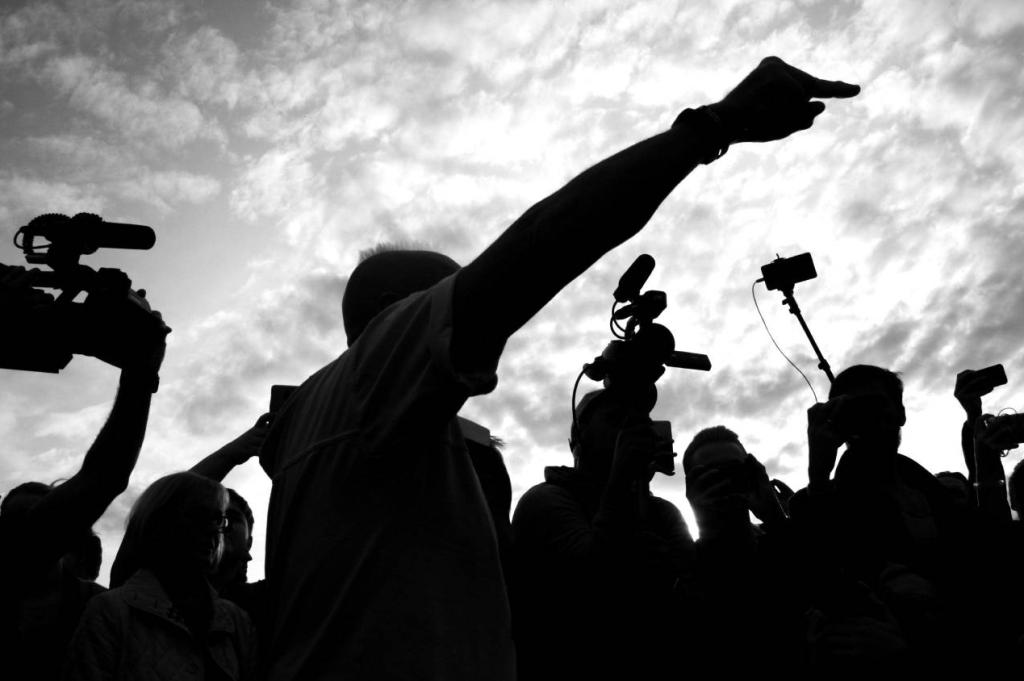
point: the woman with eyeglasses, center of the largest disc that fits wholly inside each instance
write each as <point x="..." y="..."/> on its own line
<point x="161" y="617"/>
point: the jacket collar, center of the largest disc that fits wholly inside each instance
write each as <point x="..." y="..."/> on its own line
<point x="144" y="592"/>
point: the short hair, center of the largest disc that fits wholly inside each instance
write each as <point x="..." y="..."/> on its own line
<point x="386" y="269"/>
<point x="151" y="522"/>
<point x="862" y="375"/>
<point x="238" y="500"/>
<point x="393" y="246"/>
<point x="704" y="437"/>
<point x="33" y="488"/>
<point x="1014" y="483"/>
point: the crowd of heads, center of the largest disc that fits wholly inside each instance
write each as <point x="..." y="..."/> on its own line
<point x="393" y="549"/>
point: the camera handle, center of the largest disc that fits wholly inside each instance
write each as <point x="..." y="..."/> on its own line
<point x="790" y="302"/>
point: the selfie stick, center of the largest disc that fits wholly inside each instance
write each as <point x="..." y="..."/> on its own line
<point x="790" y="301"/>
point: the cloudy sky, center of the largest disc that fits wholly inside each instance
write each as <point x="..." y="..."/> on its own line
<point x="268" y="142"/>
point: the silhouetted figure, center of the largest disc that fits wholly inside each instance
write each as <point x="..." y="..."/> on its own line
<point x="230" y="579"/>
<point x="958" y="486"/>
<point x="382" y="560"/>
<point x="489" y="466"/>
<point x="41" y="598"/>
<point x="986" y="480"/>
<point x="161" y="617"/>
<point x="893" y="545"/>
<point x="743" y="594"/>
<point x="1015" y="483"/>
<point x="597" y="556"/>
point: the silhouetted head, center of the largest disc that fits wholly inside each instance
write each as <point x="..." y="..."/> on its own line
<point x="20" y="500"/>
<point x="385" y="275"/>
<point x="1014" y="482"/>
<point x="872" y="412"/>
<point x="85" y="558"/>
<point x="600" y="415"/>
<point x="957" y="485"/>
<point x="234" y="564"/>
<point x="714" y="446"/>
<point x="175" y="529"/>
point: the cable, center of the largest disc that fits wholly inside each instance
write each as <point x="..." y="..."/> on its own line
<point x="575" y="426"/>
<point x="753" y="295"/>
<point x="614" y="325"/>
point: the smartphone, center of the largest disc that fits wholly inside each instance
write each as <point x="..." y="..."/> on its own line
<point x="782" y="273"/>
<point x="279" y="394"/>
<point x="663" y="436"/>
<point x="989" y="377"/>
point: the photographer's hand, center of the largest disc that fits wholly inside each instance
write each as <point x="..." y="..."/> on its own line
<point x="1000" y="432"/>
<point x="216" y="466"/>
<point x="718" y="502"/>
<point x="636" y="451"/>
<point x="16" y="289"/>
<point x="775" y="100"/>
<point x="968" y="393"/>
<point x="763" y="501"/>
<point x="823" y="441"/>
<point x="142" y="367"/>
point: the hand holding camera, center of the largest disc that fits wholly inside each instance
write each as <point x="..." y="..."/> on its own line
<point x="823" y="439"/>
<point x="1002" y="432"/>
<point x="720" y="495"/>
<point x="763" y="500"/>
<point x="641" y="451"/>
<point x="971" y="385"/>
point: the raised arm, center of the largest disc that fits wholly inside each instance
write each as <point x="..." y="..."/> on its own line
<point x="560" y="237"/>
<point x="216" y="466"/>
<point x="78" y="503"/>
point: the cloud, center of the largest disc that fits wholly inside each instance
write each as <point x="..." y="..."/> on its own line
<point x="95" y="167"/>
<point x="139" y="111"/>
<point x="205" y="66"/>
<point x="26" y="196"/>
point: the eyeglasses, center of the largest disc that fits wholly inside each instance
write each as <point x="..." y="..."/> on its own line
<point x="211" y="522"/>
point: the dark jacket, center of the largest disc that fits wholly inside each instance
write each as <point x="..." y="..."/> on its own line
<point x="134" y="633"/>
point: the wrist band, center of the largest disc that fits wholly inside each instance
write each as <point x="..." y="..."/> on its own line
<point x="709" y="129"/>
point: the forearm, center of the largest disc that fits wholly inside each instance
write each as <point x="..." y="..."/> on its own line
<point x="967" y="446"/>
<point x="216" y="466"/>
<point x="111" y="459"/>
<point x="989" y="482"/>
<point x="560" y="237"/>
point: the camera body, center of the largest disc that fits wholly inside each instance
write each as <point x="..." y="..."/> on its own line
<point x="1004" y="431"/>
<point x="113" y="323"/>
<point x="637" y="358"/>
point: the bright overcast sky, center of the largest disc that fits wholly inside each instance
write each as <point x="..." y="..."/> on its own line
<point x="267" y="143"/>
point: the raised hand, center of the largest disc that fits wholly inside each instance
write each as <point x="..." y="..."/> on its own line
<point x="823" y="440"/>
<point x="775" y="100"/>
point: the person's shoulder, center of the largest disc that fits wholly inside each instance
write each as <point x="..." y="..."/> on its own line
<point x="539" y="492"/>
<point x="230" y="617"/>
<point x="664" y="508"/>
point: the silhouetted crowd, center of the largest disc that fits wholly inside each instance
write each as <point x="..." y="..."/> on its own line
<point x="392" y="548"/>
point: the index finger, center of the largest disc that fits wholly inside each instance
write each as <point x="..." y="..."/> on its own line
<point x="832" y="88"/>
<point x="817" y="87"/>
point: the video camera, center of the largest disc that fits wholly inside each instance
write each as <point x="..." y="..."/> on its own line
<point x="113" y="323"/>
<point x="637" y="358"/>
